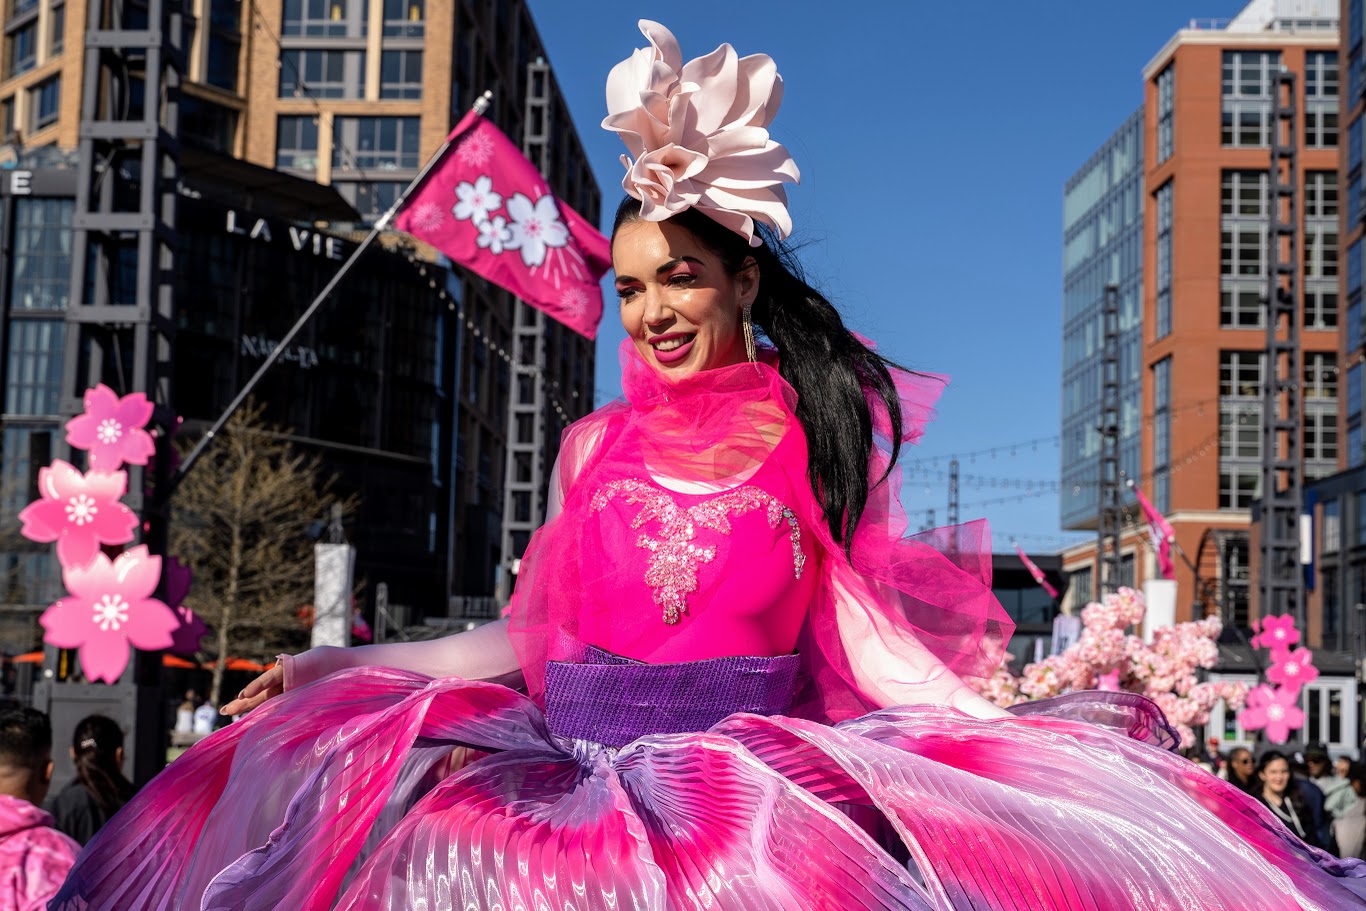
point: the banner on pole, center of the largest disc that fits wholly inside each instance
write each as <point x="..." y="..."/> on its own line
<point x="489" y="209"/>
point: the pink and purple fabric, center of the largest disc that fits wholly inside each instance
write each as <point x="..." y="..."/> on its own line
<point x="380" y="789"/>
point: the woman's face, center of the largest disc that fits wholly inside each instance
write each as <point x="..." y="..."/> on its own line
<point x="679" y="305"/>
<point x="1341" y="765"/>
<point x="1276" y="776"/>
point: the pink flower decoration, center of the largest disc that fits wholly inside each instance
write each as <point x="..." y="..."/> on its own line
<point x="1274" y="710"/>
<point x="698" y="132"/>
<point x="1278" y="632"/>
<point x="79" y="511"/>
<point x="111" y="428"/>
<point x="1108" y="683"/>
<point x="1293" y="670"/>
<point x="110" y="607"/>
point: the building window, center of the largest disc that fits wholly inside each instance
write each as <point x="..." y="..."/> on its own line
<point x="1080" y="586"/>
<point x="322" y="74"/>
<point x="40" y="270"/>
<point x="206" y="125"/>
<point x="33" y="380"/>
<point x="1240" y="417"/>
<point x="371" y="198"/>
<point x="1162" y="434"/>
<point x="403" y="18"/>
<point x="1247" y="97"/>
<point x="376" y="143"/>
<point x="18" y="8"/>
<point x="326" y="18"/>
<point x="296" y="143"/>
<point x="1240" y="305"/>
<point x="1244" y="204"/>
<point x="1242" y="251"/>
<point x="57" y="30"/>
<point x="224" y="44"/>
<point x="1243" y="194"/>
<point x="44" y="101"/>
<point x="22" y="49"/>
<point x="1320" y="250"/>
<point x="1321" y="99"/>
<point x="1163" y="201"/>
<point x="1354" y="398"/>
<point x="400" y="74"/>
<point x="1331" y="534"/>
<point x="1166" y="110"/>
<point x="1320" y="392"/>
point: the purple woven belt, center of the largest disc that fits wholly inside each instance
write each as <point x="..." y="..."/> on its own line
<point x="613" y="700"/>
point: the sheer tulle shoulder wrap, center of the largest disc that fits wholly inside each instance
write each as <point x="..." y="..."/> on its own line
<point x="906" y="612"/>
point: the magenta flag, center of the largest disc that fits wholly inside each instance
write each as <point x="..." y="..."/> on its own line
<point x="1162" y="533"/>
<point x="1036" y="572"/>
<point x="489" y="209"/>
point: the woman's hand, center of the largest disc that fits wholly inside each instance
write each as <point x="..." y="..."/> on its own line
<point x="267" y="686"/>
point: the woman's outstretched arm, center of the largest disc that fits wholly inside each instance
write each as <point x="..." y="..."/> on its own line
<point x="889" y="664"/>
<point x="483" y="653"/>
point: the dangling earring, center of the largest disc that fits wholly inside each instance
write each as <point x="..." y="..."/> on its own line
<point x="747" y="323"/>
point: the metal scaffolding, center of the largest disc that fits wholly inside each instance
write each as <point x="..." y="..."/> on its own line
<point x="524" y="481"/>
<point x="1110" y="522"/>
<point x="121" y="319"/>
<point x="1280" y="581"/>
<point x="953" y="492"/>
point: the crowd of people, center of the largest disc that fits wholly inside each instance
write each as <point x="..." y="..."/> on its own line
<point x="40" y="836"/>
<point x="1319" y="798"/>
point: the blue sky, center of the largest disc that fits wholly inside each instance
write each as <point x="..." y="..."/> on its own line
<point x="934" y="140"/>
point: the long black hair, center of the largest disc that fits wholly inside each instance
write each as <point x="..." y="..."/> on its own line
<point x="96" y="743"/>
<point x="830" y="369"/>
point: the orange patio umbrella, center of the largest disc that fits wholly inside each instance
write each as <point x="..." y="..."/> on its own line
<point x="242" y="664"/>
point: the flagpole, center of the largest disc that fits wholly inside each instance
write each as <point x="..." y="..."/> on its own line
<point x="480" y="105"/>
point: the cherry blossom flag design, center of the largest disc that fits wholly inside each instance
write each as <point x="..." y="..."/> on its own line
<point x="110" y="606"/>
<point x="1036" y="573"/>
<point x="111" y="431"/>
<point x="78" y="511"/>
<point x="1162" y="533"/>
<point x="489" y="209"/>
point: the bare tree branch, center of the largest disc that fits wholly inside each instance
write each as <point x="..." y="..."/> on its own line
<point x="240" y="522"/>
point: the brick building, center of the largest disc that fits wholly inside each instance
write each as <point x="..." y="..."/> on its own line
<point x="1206" y="134"/>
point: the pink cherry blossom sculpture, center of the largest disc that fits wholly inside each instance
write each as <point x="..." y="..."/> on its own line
<point x="1278" y="632"/>
<point x="110" y="607"/>
<point x="1273" y="710"/>
<point x="1293" y="669"/>
<point x="111" y="429"/>
<point x="78" y="511"/>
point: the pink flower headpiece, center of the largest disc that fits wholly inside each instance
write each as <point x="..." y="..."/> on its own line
<point x="698" y="131"/>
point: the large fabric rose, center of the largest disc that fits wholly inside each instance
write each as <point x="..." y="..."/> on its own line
<point x="698" y="134"/>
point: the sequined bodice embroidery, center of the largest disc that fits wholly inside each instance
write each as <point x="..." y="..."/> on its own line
<point x="675" y="553"/>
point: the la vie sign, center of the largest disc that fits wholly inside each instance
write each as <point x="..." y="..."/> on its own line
<point x="304" y="240"/>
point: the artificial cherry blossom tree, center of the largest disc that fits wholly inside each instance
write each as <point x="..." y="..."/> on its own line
<point x="1106" y="657"/>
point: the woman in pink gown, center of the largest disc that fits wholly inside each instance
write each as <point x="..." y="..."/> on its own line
<point x="729" y="680"/>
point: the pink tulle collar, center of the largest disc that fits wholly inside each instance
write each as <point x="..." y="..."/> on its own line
<point x="645" y="387"/>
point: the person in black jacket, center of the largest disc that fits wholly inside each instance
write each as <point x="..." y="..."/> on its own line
<point x="1284" y="799"/>
<point x="100" y="788"/>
